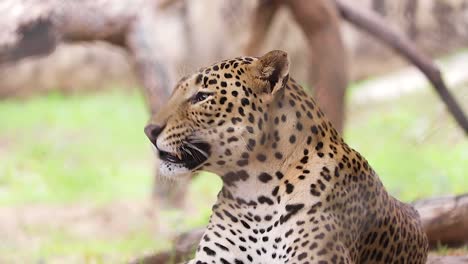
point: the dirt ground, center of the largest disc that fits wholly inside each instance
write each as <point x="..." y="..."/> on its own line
<point x="29" y="226"/>
<point x="79" y="219"/>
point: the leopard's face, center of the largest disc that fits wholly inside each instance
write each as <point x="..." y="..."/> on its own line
<point x="215" y="116"/>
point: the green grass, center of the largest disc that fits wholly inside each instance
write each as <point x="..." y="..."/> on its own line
<point x="413" y="144"/>
<point x="63" y="150"/>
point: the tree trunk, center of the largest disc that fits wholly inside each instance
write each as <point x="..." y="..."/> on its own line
<point x="319" y="22"/>
<point x="379" y="6"/>
<point x="410" y="13"/>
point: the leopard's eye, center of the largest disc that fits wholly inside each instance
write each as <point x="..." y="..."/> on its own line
<point x="200" y="96"/>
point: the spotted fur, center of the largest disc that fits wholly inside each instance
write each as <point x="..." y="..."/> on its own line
<point x="293" y="190"/>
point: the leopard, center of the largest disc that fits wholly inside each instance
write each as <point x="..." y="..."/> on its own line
<point x="292" y="190"/>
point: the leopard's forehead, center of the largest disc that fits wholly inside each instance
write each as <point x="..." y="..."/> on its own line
<point x="225" y="69"/>
<point x="226" y="65"/>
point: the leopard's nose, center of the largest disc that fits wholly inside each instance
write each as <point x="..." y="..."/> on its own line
<point x="152" y="132"/>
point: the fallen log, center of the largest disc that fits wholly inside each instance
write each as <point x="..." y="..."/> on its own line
<point x="435" y="259"/>
<point x="445" y="219"/>
<point x="184" y="246"/>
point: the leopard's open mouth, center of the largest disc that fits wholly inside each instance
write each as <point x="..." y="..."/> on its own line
<point x="190" y="155"/>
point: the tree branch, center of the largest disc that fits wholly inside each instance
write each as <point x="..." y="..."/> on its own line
<point x="376" y="26"/>
<point x="33" y="39"/>
<point x="37" y="27"/>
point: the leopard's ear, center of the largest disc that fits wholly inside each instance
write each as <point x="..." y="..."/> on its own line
<point x="272" y="71"/>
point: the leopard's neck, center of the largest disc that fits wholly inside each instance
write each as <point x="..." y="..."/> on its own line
<point x="295" y="132"/>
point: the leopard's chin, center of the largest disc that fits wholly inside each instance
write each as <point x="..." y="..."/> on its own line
<point x="172" y="170"/>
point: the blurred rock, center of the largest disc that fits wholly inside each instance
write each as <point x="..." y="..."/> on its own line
<point x="71" y="68"/>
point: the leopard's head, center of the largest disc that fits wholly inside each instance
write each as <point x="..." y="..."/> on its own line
<point x="217" y="117"/>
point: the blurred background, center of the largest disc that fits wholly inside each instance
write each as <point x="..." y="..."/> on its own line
<point x="79" y="79"/>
